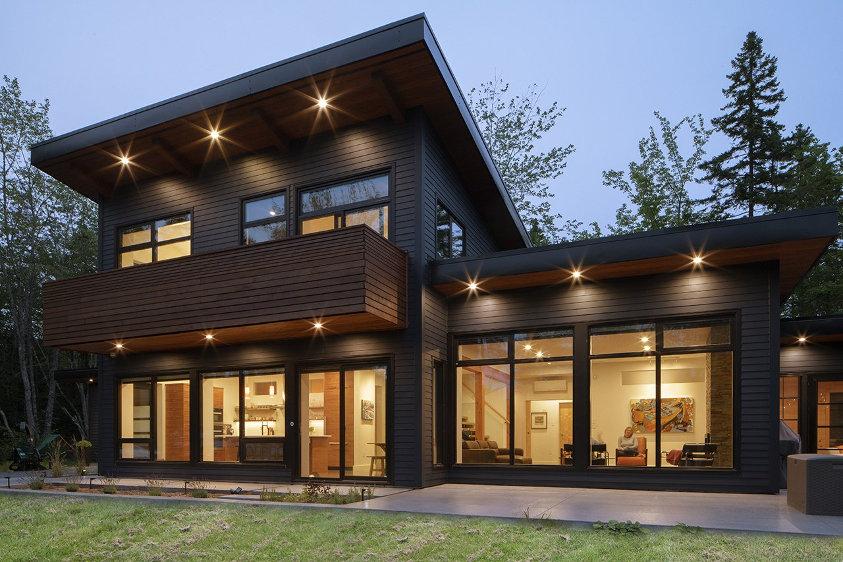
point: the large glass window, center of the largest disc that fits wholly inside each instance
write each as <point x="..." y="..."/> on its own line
<point x="265" y="218"/>
<point x="662" y="395"/>
<point x="136" y="419"/>
<point x="258" y="435"/>
<point x="830" y="417"/>
<point x="514" y="397"/>
<point x="789" y="401"/>
<point x="153" y="241"/>
<point x="154" y="416"/>
<point x="361" y="201"/>
<point x="450" y="235"/>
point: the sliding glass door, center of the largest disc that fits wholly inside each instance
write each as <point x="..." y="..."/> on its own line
<point x="343" y="423"/>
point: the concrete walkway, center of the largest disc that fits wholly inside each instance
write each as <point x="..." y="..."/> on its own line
<point x="741" y="512"/>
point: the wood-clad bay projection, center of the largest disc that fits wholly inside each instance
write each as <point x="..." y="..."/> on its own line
<point x="350" y="280"/>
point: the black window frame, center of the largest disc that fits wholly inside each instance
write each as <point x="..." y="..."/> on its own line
<point x="657" y="351"/>
<point x="240" y="375"/>
<point x="339" y="212"/>
<point x="152" y="440"/>
<point x="153" y="243"/>
<point x="511" y="362"/>
<point x="451" y="221"/>
<point x="285" y="217"/>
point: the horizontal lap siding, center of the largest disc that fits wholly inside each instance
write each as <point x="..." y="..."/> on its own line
<point x="746" y="290"/>
<point x="441" y="183"/>
<point x="215" y="199"/>
<point x="816" y="358"/>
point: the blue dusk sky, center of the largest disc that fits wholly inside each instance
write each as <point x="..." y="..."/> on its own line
<point x="610" y="63"/>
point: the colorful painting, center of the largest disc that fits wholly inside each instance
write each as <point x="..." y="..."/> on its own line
<point x="677" y="415"/>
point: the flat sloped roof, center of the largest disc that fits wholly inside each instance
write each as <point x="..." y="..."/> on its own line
<point x="795" y="239"/>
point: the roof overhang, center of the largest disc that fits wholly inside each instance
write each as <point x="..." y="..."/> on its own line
<point x="377" y="74"/>
<point x="795" y="240"/>
<point x="813" y="330"/>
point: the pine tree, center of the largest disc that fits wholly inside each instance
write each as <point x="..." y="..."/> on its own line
<point x="814" y="178"/>
<point x="749" y="173"/>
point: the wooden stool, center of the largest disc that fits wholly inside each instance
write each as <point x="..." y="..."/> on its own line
<point x="377" y="464"/>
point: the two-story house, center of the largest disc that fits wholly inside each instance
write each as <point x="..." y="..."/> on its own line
<point x="314" y="270"/>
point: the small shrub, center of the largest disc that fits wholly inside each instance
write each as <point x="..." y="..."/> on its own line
<point x="687" y="528"/>
<point x="35" y="482"/>
<point x="109" y="484"/>
<point x="56" y="459"/>
<point x="155" y="487"/>
<point x="198" y="489"/>
<point x="81" y="447"/>
<point x="619" y="527"/>
<point x="73" y="483"/>
<point x="315" y="491"/>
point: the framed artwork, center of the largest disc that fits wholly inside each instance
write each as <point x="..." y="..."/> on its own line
<point x="367" y="410"/>
<point x="538" y="420"/>
<point x="677" y="415"/>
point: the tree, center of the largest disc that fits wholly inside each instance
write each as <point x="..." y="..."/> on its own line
<point x="46" y="231"/>
<point x="749" y="171"/>
<point x="814" y="178"/>
<point x="657" y="185"/>
<point x="511" y="126"/>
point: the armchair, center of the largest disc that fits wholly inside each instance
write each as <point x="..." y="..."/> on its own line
<point x="638" y="460"/>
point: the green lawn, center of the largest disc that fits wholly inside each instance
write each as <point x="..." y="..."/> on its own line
<point x="42" y="528"/>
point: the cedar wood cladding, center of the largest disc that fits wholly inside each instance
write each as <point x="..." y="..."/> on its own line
<point x="751" y="292"/>
<point x="441" y="184"/>
<point x="215" y="198"/>
<point x="264" y="291"/>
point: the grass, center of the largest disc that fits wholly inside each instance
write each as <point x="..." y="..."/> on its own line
<point x="41" y="528"/>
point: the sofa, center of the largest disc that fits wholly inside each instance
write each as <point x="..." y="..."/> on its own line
<point x="638" y="460"/>
<point x="487" y="452"/>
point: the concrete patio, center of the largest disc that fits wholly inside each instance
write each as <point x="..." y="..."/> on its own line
<point x="732" y="512"/>
<point x="739" y="512"/>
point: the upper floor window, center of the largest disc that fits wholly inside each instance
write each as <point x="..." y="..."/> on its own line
<point x="265" y="218"/>
<point x="360" y="201"/>
<point x="450" y="236"/>
<point x="157" y="240"/>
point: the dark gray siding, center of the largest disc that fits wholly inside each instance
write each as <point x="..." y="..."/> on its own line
<point x="215" y="198"/>
<point x="747" y="292"/>
<point x="820" y="358"/>
<point x="441" y="183"/>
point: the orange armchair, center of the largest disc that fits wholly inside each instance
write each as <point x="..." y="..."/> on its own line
<point x="638" y="460"/>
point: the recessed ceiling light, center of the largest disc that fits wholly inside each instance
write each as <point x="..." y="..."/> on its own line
<point x="322" y="103"/>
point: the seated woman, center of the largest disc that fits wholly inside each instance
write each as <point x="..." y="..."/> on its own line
<point x="627" y="444"/>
